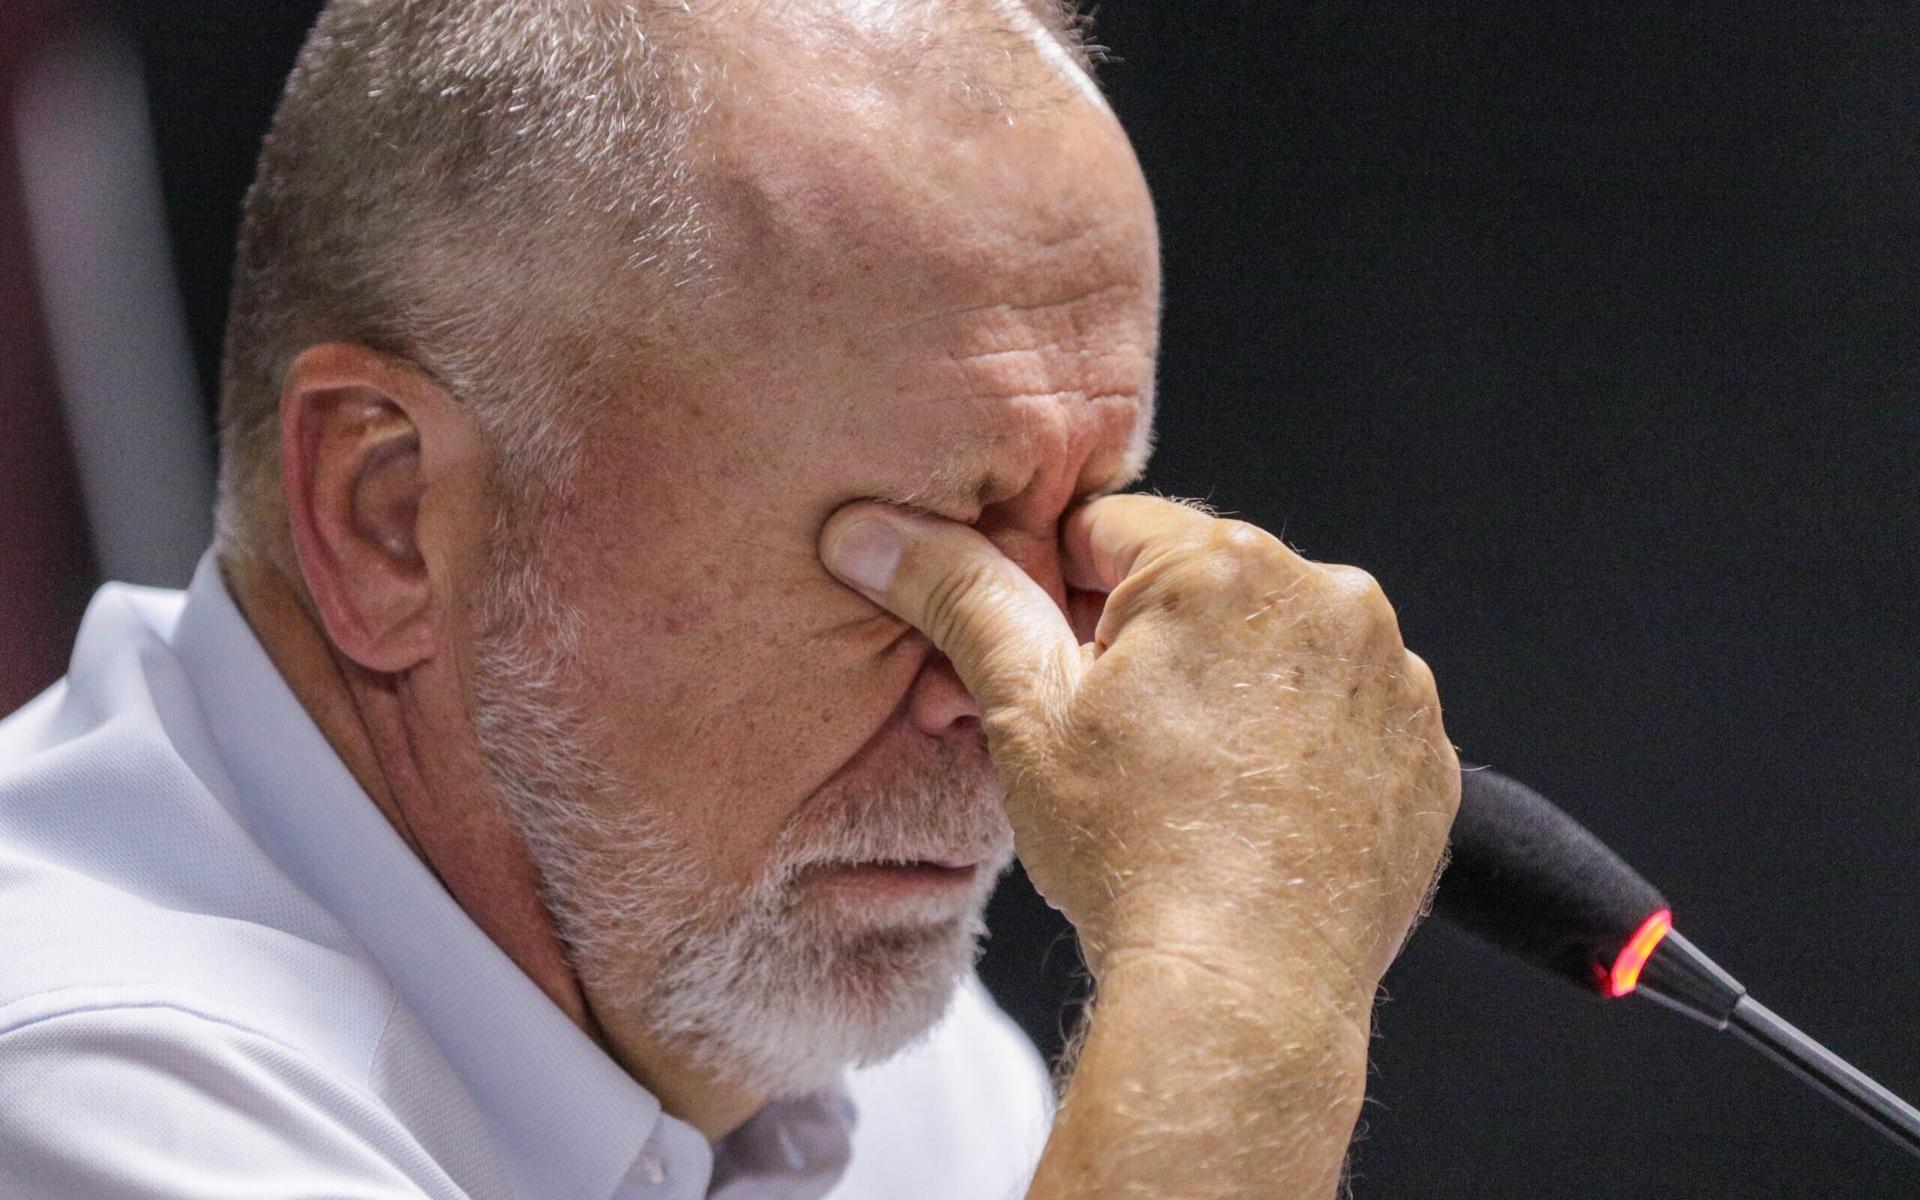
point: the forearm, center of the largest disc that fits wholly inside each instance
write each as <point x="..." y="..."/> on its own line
<point x="1199" y="1083"/>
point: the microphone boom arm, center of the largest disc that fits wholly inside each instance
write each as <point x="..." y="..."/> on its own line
<point x="1683" y="978"/>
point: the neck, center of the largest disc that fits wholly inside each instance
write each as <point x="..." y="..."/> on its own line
<point x="681" y="1084"/>
<point x="384" y="730"/>
<point x="401" y="737"/>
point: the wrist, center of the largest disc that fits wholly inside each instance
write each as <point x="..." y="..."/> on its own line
<point x="1258" y="1084"/>
<point x="1209" y="1074"/>
<point x="1239" y="952"/>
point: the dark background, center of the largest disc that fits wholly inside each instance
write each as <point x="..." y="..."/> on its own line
<point x="1591" y="334"/>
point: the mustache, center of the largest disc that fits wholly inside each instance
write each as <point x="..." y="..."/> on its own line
<point x="944" y="804"/>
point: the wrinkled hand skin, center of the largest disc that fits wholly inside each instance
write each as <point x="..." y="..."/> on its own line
<point x="1233" y="781"/>
<point x="1245" y="767"/>
<point x="1249" y="751"/>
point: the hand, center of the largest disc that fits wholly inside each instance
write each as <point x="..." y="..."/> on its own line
<point x="1244" y="768"/>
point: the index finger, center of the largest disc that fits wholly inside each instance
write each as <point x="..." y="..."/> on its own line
<point x="1104" y="538"/>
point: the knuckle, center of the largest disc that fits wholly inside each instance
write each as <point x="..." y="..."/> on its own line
<point x="1421" y="699"/>
<point x="1240" y="540"/>
<point x="1354" y="587"/>
<point x="1356" y="605"/>
<point x="952" y="598"/>
<point x="1419" y="677"/>
<point x="1232" y="558"/>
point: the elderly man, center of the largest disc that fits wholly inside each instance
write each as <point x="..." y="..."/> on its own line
<point x="666" y="568"/>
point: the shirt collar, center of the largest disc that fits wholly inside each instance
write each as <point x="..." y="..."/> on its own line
<point x="569" y="1122"/>
<point x="791" y="1149"/>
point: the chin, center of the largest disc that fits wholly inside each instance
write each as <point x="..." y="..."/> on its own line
<point x="787" y="1016"/>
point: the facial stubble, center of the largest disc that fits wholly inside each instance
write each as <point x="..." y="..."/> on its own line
<point x="766" y="986"/>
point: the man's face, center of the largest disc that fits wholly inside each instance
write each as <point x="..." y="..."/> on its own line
<point x="946" y="308"/>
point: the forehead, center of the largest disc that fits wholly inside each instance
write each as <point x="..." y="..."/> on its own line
<point x="851" y="145"/>
<point x="968" y="252"/>
<point x="819" y="155"/>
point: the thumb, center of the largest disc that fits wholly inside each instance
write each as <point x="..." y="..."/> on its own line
<point x="1007" y="639"/>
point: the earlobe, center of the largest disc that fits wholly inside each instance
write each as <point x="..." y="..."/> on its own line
<point x="353" y="469"/>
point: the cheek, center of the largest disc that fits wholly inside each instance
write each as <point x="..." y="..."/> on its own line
<point x="727" y="701"/>
<point x="680" y="616"/>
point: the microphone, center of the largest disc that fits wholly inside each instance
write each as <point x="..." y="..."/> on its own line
<point x="1532" y="881"/>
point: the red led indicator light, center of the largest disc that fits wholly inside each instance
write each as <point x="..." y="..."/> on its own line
<point x="1625" y="975"/>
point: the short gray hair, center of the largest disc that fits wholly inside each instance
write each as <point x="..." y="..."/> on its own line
<point x="445" y="181"/>
<point x="439" y="178"/>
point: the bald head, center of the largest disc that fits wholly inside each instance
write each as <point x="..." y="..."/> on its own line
<point x="516" y="196"/>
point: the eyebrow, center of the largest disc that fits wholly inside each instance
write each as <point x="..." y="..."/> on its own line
<point x="955" y="484"/>
<point x="962" y="484"/>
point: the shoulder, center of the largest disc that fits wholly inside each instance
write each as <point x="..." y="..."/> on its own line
<point x="158" y="1099"/>
<point x="965" y="1113"/>
<point x="173" y="1008"/>
<point x="127" y="879"/>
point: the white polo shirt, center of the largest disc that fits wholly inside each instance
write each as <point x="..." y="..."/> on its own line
<point x="222" y="974"/>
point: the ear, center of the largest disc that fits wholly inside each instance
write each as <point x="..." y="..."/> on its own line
<point x="362" y="439"/>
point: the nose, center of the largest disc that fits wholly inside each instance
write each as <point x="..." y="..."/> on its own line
<point x="938" y="703"/>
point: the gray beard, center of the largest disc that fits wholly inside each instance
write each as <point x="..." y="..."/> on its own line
<point x="762" y="990"/>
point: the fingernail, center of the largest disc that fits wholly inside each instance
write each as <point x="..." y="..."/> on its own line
<point x="865" y="552"/>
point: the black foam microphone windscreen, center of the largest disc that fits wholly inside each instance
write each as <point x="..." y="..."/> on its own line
<point x="1531" y="880"/>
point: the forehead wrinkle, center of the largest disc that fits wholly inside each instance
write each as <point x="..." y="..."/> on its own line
<point x="968" y="480"/>
<point x="1054" y="320"/>
<point x="1067" y="303"/>
<point x="1065" y="367"/>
